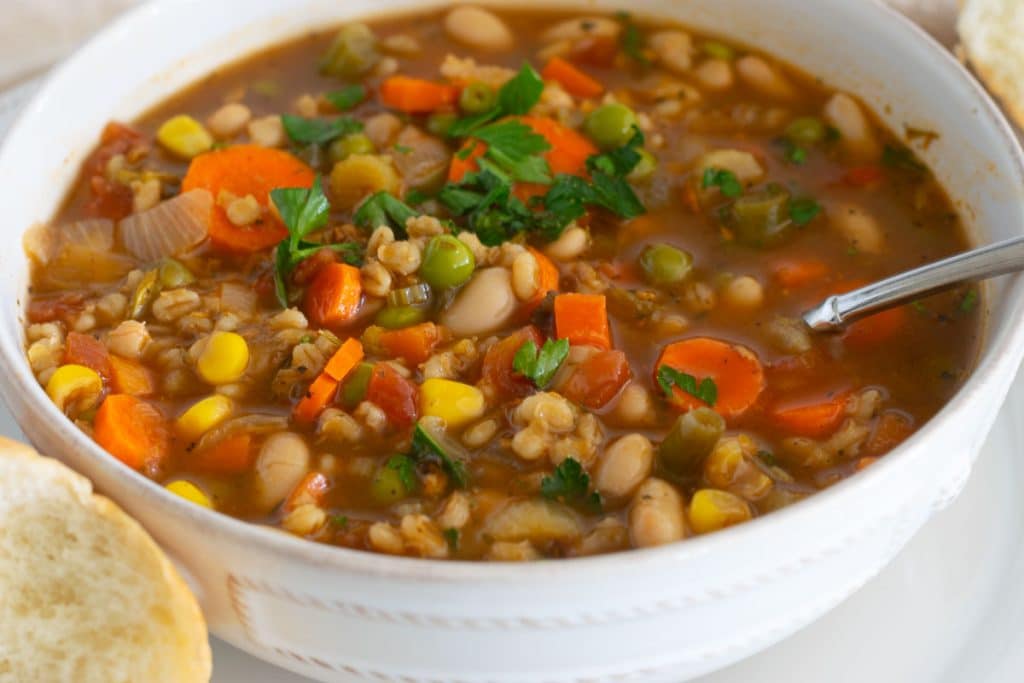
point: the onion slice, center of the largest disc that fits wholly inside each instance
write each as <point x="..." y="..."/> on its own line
<point x="45" y="242"/>
<point x="170" y="227"/>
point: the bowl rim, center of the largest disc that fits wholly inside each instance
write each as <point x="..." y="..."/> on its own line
<point x="291" y="549"/>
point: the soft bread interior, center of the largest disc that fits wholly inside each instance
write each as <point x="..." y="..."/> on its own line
<point x="992" y="34"/>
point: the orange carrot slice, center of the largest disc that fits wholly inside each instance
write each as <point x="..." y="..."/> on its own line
<point x="814" y="420"/>
<point x="735" y="370"/>
<point x="130" y="377"/>
<point x="892" y="429"/>
<point x="320" y="394"/>
<point x="582" y="319"/>
<point x="547" y="281"/>
<point x="334" y="296"/>
<point x="83" y="349"/>
<point x="416" y="95"/>
<point x="246" y="170"/>
<point x="415" y="343"/>
<point x="232" y="455"/>
<point x="571" y="78"/>
<point x="875" y="329"/>
<point x="131" y="430"/>
<point x="344" y="360"/>
<point x="799" y="274"/>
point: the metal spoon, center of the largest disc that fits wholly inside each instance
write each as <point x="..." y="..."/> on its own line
<point x="977" y="264"/>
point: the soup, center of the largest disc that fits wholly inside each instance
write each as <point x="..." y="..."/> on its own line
<point x="451" y="286"/>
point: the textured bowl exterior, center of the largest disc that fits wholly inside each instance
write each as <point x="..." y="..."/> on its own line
<point x="668" y="613"/>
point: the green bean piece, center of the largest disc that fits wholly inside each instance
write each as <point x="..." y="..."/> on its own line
<point x="447" y="262"/>
<point x="353" y="391"/>
<point x="610" y="125"/>
<point x="174" y="274"/>
<point x="477" y="98"/>
<point x="394" y="480"/>
<point x="145" y="292"/>
<point x="418" y="294"/>
<point x="806" y="130"/>
<point x="353" y="52"/>
<point x="439" y="124"/>
<point x="761" y="219"/>
<point x="691" y="439"/>
<point x="397" y="317"/>
<point x="718" y="50"/>
<point x="664" y="264"/>
<point x="644" y="169"/>
<point x="344" y="147"/>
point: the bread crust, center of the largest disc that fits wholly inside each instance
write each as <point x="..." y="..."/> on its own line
<point x="992" y="36"/>
<point x="85" y="593"/>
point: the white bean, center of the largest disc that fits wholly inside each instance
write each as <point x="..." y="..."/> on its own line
<point x="743" y="293"/>
<point x="860" y="229"/>
<point x="674" y="49"/>
<point x="280" y="466"/>
<point x="575" y="29"/>
<point x="635" y="406"/>
<point x="855" y="132"/>
<point x="573" y="242"/>
<point x="764" y="78"/>
<point x="229" y="120"/>
<point x="525" y="276"/>
<point x="487" y="303"/>
<point x="625" y="464"/>
<point x="478" y="28"/>
<point x="714" y="74"/>
<point x="656" y="516"/>
<point x="743" y="165"/>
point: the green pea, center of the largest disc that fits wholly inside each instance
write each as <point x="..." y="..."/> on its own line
<point x="691" y="439"/>
<point x="610" y="125"/>
<point x="644" y="168"/>
<point x="344" y="147"/>
<point x="718" y="50"/>
<point x="353" y="52"/>
<point x="353" y="391"/>
<point x="175" y="274"/>
<point x="806" y="130"/>
<point x="439" y="124"/>
<point x="664" y="264"/>
<point x="397" y="317"/>
<point x="477" y="98"/>
<point x="447" y="262"/>
<point x="394" y="481"/>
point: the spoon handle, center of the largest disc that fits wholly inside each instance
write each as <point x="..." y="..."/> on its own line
<point x="977" y="264"/>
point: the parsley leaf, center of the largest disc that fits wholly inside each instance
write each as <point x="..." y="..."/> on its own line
<point x="669" y="378"/>
<point x="726" y="181"/>
<point x="318" y="131"/>
<point x="406" y="469"/>
<point x="901" y="157"/>
<point x="432" y="444"/>
<point x="452" y="536"/>
<point x="485" y="197"/>
<point x="340" y="520"/>
<point x="303" y="212"/>
<point x="383" y="208"/>
<point x="632" y="40"/>
<point x="347" y="97"/>
<point x="513" y="147"/>
<point x="793" y="153"/>
<point x="515" y="98"/>
<point x="803" y="211"/>
<point x="570" y="484"/>
<point x="540" y="366"/>
<point x="969" y="301"/>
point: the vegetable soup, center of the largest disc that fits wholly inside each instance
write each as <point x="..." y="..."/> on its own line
<point x="501" y="286"/>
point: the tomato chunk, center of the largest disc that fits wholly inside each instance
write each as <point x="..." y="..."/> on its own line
<point x="394" y="394"/>
<point x="598" y="379"/>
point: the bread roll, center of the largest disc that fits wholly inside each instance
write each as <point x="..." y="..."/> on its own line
<point x="992" y="35"/>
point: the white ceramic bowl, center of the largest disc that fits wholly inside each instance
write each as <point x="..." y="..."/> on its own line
<point x="663" y="614"/>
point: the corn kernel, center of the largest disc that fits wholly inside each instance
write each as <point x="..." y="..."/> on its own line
<point x="74" y="387"/>
<point x="711" y="510"/>
<point x="454" y="402"/>
<point x="189" y="492"/>
<point x="203" y="416"/>
<point x="184" y="136"/>
<point x="224" y="359"/>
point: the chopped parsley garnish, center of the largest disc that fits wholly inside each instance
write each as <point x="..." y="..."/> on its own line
<point x="724" y="180"/>
<point x="669" y="378"/>
<point x="452" y="536"/>
<point x="832" y="134"/>
<point x="405" y="467"/>
<point x="383" y="208"/>
<point x="901" y="157"/>
<point x="919" y="307"/>
<point x="803" y="211"/>
<point x="632" y="40"/>
<point x="340" y="520"/>
<point x="318" y="131"/>
<point x="969" y="301"/>
<point x="430" y="444"/>
<point x="303" y="212"/>
<point x="347" y="97"/>
<point x="515" y="98"/>
<point x="402" y="149"/>
<point x="540" y="366"/>
<point x="570" y="484"/>
<point x="514" y="148"/>
<point x="767" y="458"/>
<point x="793" y="153"/>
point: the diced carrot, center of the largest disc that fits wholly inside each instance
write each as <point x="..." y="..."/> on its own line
<point x="310" y="491"/>
<point x="597" y="380"/>
<point x="132" y="430"/>
<point x="334" y="296"/>
<point x="547" y="281"/>
<point x="800" y="274"/>
<point x="595" y="50"/>
<point x="345" y="359"/>
<point x="814" y="420"/>
<point x="415" y="343"/>
<point x="876" y="328"/>
<point x="892" y="429"/>
<point x="128" y="376"/>
<point x="231" y="455"/>
<point x="735" y="370"/>
<point x="572" y="79"/>
<point x="246" y="170"/>
<point x="582" y="319"/>
<point x="320" y="394"/>
<point x="84" y="349"/>
<point x="394" y="394"/>
<point x="863" y="176"/>
<point x="497" y="371"/>
<point x="416" y="95"/>
<point x="866" y="461"/>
